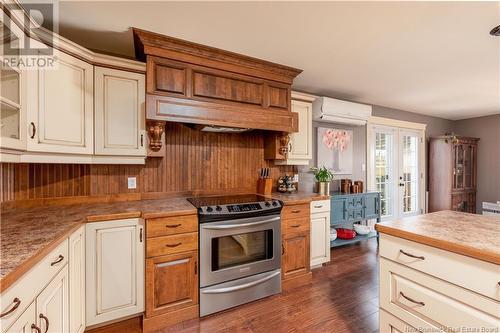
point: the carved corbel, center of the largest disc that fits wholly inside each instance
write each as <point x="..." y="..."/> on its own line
<point x="284" y="144"/>
<point x="155" y="131"/>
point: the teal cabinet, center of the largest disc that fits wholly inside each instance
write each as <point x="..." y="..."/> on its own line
<point x="347" y="209"/>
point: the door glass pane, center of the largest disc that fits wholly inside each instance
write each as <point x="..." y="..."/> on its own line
<point x="468" y="166"/>
<point x="234" y="250"/>
<point x="9" y="85"/>
<point x="410" y="176"/>
<point x="9" y="121"/>
<point x="459" y="166"/>
<point x="384" y="171"/>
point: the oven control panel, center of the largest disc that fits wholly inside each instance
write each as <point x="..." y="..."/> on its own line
<point x="240" y="209"/>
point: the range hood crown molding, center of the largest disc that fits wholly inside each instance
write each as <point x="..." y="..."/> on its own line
<point x="198" y="84"/>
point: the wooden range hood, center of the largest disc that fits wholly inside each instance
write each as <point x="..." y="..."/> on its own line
<point x="197" y="84"/>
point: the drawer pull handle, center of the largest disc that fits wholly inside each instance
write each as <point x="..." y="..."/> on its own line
<point x="295" y="211"/>
<point x="16" y="301"/>
<point x="412" y="255"/>
<point x="58" y="260"/>
<point x="46" y="322"/>
<point x="173" y="245"/>
<point x="295" y="226"/>
<point x="172" y="225"/>
<point x="36" y="328"/>
<point x="411" y="299"/>
<point x="318" y="206"/>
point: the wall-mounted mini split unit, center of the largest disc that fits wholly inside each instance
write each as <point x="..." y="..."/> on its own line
<point x="341" y="112"/>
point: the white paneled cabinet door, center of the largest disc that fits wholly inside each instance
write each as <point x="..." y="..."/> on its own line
<point x="119" y="112"/>
<point x="320" y="238"/>
<point x="114" y="270"/>
<point x="77" y="281"/>
<point x="52" y="305"/>
<point x="60" y="107"/>
<point x="301" y="142"/>
<point x="25" y="321"/>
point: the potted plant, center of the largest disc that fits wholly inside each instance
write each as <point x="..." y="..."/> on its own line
<point x="323" y="176"/>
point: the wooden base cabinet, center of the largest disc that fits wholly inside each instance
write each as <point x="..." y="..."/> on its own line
<point x="295" y="247"/>
<point x="172" y="282"/>
<point x="171" y="271"/>
<point x="295" y="255"/>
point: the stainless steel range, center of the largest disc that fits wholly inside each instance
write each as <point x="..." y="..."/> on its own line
<point x="240" y="252"/>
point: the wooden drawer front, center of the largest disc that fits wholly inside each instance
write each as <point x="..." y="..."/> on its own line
<point x="320" y="206"/>
<point x="295" y="211"/>
<point x="165" y="226"/>
<point x="296" y="225"/>
<point x="32" y="283"/>
<point x="417" y="297"/>
<point x="448" y="266"/>
<point x="171" y="244"/>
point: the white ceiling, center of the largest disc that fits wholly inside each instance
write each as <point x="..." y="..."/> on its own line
<point x="433" y="58"/>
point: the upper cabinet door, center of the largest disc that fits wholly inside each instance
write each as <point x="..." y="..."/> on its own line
<point x="119" y="113"/>
<point x="301" y="142"/>
<point x="12" y="93"/>
<point x="60" y="112"/>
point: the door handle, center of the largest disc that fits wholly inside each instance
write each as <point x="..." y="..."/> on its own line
<point x="16" y="301"/>
<point x="243" y="286"/>
<point x="239" y="225"/>
<point x="33" y="130"/>
<point x="58" y="260"/>
<point x="46" y="322"/>
<point x="411" y="299"/>
<point x="411" y="255"/>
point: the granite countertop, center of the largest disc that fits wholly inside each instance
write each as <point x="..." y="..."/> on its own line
<point x="29" y="234"/>
<point x="472" y="235"/>
<point x="298" y="197"/>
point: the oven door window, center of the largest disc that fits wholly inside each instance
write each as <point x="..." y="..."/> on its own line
<point x="240" y="249"/>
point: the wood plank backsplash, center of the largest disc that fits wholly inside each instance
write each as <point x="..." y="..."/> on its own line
<point x="194" y="162"/>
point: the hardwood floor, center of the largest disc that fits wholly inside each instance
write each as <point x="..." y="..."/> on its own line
<point x="343" y="297"/>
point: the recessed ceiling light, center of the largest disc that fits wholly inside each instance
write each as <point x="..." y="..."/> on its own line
<point x="495" y="31"/>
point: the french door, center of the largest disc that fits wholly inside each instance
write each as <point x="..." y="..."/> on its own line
<point x="396" y="170"/>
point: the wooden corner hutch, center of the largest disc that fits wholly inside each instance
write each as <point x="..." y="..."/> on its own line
<point x="453" y="173"/>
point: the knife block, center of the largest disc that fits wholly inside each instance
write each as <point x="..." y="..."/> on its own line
<point x="265" y="186"/>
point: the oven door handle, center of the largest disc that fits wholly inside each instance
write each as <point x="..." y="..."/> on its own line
<point x="239" y="225"/>
<point x="242" y="286"/>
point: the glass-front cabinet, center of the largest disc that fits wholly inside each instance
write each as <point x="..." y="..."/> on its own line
<point x="12" y="91"/>
<point x="463" y="166"/>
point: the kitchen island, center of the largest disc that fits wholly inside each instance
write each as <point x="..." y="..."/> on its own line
<point x="440" y="272"/>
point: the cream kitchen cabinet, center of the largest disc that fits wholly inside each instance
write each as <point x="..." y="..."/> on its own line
<point x="119" y="101"/>
<point x="114" y="270"/>
<point x="320" y="232"/>
<point x="26" y="322"/>
<point x="431" y="289"/>
<point x="77" y="281"/>
<point x="60" y="107"/>
<point x="52" y="305"/>
<point x="300" y="144"/>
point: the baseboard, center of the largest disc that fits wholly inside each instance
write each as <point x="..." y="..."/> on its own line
<point x="156" y="323"/>
<point x="298" y="281"/>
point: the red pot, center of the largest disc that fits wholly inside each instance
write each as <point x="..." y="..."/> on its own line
<point x="345" y="233"/>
